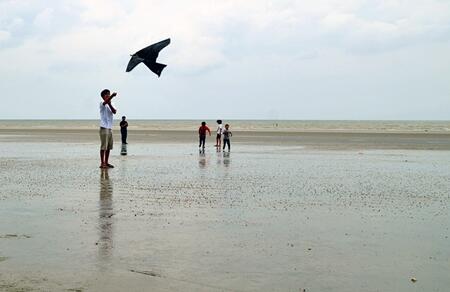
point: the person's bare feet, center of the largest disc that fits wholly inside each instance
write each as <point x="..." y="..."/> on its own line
<point x="103" y="165"/>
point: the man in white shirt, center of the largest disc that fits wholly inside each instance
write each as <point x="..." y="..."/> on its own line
<point x="107" y="111"/>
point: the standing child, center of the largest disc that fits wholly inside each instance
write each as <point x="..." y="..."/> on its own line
<point x="226" y="137"/>
<point x="219" y="134"/>
<point x="107" y="111"/>
<point x="202" y="135"/>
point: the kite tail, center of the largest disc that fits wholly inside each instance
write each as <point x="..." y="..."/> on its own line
<point x="156" y="68"/>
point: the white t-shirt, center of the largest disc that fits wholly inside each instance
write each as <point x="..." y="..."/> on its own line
<point x="220" y="129"/>
<point x="106" y="116"/>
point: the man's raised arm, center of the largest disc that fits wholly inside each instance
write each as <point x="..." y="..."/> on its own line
<point x="108" y="102"/>
<point x="108" y="99"/>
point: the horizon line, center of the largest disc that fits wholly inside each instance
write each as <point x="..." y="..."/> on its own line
<point x="234" y="119"/>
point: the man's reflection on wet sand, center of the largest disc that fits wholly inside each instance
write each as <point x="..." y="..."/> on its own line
<point x="105" y="220"/>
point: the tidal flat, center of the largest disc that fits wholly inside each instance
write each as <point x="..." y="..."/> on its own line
<point x="271" y="216"/>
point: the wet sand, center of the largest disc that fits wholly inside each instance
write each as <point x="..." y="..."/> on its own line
<point x="281" y="212"/>
<point x="312" y="140"/>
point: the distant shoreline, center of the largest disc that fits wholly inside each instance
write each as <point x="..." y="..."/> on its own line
<point x="31" y="130"/>
<point x="276" y="126"/>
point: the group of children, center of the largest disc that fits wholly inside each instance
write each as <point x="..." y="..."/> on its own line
<point x="107" y="111"/>
<point x="226" y="133"/>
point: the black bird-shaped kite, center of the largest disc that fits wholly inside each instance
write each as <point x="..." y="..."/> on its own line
<point x="148" y="55"/>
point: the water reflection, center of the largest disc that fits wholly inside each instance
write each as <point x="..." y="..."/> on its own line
<point x="226" y="159"/>
<point x="202" y="160"/>
<point x="123" y="149"/>
<point x="219" y="158"/>
<point x="222" y="158"/>
<point x="105" y="221"/>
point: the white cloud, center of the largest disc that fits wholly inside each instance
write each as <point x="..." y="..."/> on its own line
<point x="104" y="12"/>
<point x="60" y="39"/>
<point x="201" y="30"/>
<point x="15" y="23"/>
<point x="4" y="35"/>
<point x="44" y="18"/>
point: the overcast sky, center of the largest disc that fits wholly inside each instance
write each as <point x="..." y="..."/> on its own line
<point x="235" y="59"/>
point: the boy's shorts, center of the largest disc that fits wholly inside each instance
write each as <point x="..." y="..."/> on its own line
<point x="218" y="136"/>
<point x="106" y="139"/>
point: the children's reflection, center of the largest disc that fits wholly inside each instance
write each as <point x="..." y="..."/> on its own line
<point x="222" y="158"/>
<point x="105" y="221"/>
<point x="226" y="159"/>
<point x="202" y="162"/>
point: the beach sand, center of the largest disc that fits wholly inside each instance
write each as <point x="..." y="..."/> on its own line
<point x="284" y="211"/>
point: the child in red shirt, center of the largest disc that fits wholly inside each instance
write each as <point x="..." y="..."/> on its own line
<point x="202" y="135"/>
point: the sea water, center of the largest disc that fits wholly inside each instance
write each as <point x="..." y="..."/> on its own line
<point x="246" y="125"/>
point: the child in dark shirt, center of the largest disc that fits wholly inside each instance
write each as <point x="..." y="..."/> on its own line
<point x="124" y="129"/>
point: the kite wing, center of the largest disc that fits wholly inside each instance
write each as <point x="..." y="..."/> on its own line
<point x="152" y="51"/>
<point x="134" y="61"/>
